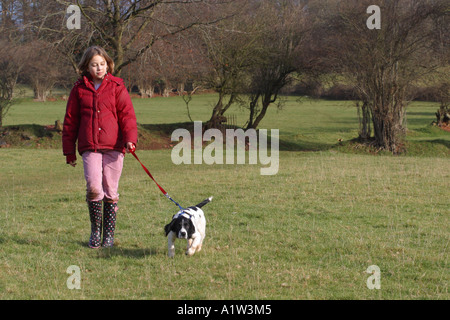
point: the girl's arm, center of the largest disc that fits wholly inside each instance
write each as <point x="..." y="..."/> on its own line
<point x="70" y="127"/>
<point x="126" y="116"/>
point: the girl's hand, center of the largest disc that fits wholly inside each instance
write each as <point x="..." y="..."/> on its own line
<point x="71" y="159"/>
<point x="131" y="147"/>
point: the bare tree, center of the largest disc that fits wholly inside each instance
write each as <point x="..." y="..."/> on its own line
<point x="43" y="70"/>
<point x="281" y="53"/>
<point x="383" y="64"/>
<point x="10" y="69"/>
<point x="443" y="114"/>
<point x="127" y="29"/>
<point x="254" y="56"/>
<point x="230" y="51"/>
<point x="10" y="62"/>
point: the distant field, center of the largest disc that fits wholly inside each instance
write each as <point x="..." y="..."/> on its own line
<point x="304" y="124"/>
<point x="309" y="232"/>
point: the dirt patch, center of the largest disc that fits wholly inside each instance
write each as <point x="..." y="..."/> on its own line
<point x="445" y="127"/>
<point x="49" y="137"/>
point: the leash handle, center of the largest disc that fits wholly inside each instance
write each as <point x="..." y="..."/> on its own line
<point x="133" y="152"/>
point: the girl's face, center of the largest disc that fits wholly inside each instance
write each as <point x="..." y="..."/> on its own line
<point x="98" y="67"/>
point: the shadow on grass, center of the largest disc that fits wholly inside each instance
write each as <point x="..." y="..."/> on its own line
<point x="303" y="145"/>
<point x="423" y="114"/>
<point x="158" y="137"/>
<point x="134" y="253"/>
<point x="167" y="128"/>
<point x="29" y="129"/>
<point x="445" y="143"/>
<point x="166" y="131"/>
<point x="151" y="137"/>
<point x="429" y="147"/>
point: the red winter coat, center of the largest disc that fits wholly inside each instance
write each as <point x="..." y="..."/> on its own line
<point x="102" y="119"/>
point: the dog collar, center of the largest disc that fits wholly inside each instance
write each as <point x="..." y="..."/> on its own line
<point x="183" y="214"/>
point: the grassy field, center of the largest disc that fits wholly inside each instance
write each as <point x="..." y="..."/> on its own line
<point x="309" y="232"/>
<point x="304" y="124"/>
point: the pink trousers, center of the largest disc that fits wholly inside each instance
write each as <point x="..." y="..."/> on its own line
<point x="102" y="171"/>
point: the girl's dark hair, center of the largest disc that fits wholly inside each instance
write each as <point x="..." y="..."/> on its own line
<point x="83" y="66"/>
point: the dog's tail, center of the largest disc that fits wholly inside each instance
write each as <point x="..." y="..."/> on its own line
<point x="204" y="203"/>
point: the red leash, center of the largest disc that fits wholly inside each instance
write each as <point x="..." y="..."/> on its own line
<point x="148" y="172"/>
<point x="132" y="151"/>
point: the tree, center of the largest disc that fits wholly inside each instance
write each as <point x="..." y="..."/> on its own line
<point x="167" y="67"/>
<point x="443" y="114"/>
<point x="127" y="29"/>
<point x="43" y="70"/>
<point x="10" y="69"/>
<point x="281" y="54"/>
<point x="230" y="49"/>
<point x="254" y="55"/>
<point x="383" y="64"/>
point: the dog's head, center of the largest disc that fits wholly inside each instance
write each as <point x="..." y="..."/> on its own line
<point x="182" y="226"/>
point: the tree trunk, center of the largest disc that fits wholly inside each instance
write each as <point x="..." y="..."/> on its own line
<point x="41" y="91"/>
<point x="166" y="92"/>
<point x="388" y="127"/>
<point x="1" y="115"/>
<point x="365" y="130"/>
<point x="265" y="105"/>
<point x="146" y="91"/>
<point x="443" y="116"/>
<point x="253" y="106"/>
<point x="219" y="110"/>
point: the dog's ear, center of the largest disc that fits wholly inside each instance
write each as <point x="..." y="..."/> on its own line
<point x="191" y="229"/>
<point x="168" y="227"/>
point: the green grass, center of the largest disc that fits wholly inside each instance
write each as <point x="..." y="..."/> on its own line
<point x="305" y="124"/>
<point x="309" y="232"/>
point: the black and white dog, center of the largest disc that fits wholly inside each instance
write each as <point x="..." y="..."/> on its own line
<point x="189" y="224"/>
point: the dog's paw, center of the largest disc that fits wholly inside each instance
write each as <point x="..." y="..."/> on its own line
<point x="190" y="252"/>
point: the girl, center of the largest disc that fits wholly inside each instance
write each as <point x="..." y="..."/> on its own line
<point x="100" y="115"/>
